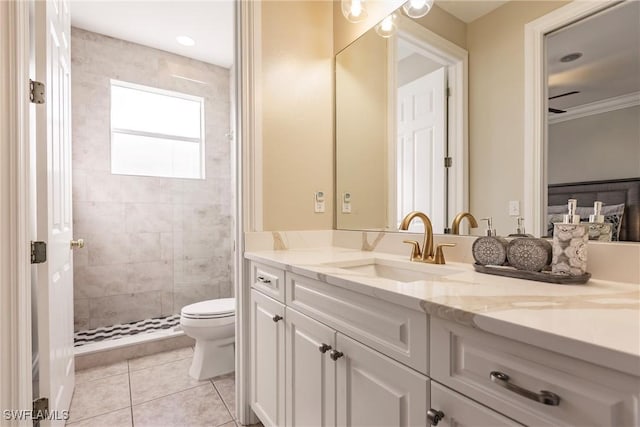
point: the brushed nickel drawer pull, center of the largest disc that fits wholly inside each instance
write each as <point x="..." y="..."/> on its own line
<point x="545" y="397"/>
<point x="264" y="280"/>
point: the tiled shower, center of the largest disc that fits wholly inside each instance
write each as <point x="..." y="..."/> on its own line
<point x="153" y="244"/>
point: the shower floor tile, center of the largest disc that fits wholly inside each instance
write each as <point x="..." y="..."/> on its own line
<point x="125" y="329"/>
<point x="153" y="390"/>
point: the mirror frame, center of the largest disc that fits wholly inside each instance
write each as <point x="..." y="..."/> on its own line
<point x="536" y="104"/>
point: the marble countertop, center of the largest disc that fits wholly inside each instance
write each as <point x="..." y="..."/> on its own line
<point x="598" y="322"/>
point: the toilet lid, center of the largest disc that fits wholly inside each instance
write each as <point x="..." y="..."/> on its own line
<point x="222" y="307"/>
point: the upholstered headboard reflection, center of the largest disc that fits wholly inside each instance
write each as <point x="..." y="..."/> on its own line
<point x="611" y="192"/>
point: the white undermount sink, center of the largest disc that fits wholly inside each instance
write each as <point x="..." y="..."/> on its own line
<point x="400" y="271"/>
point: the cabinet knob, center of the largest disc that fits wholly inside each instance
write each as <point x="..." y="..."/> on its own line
<point x="335" y="354"/>
<point x="324" y="348"/>
<point x="277" y="318"/>
<point x="434" y="416"/>
<point x="264" y="280"/>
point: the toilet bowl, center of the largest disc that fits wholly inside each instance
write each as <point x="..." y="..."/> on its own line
<point x="212" y="324"/>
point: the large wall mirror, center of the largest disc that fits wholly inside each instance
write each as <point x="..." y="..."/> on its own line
<point x="394" y="120"/>
<point x="399" y="118"/>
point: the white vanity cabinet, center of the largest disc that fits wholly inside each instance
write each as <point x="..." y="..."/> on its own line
<point x="458" y="411"/>
<point x="326" y="355"/>
<point x="374" y="390"/>
<point x="319" y="376"/>
<point x="311" y="373"/>
<point x="267" y="392"/>
<point x="531" y="385"/>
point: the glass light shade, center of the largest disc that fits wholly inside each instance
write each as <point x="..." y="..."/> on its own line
<point x="354" y="10"/>
<point x="387" y="27"/>
<point x="417" y="8"/>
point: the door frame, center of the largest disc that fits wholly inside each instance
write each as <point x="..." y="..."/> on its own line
<point x="15" y="209"/>
<point x="456" y="60"/>
<point x="536" y="104"/>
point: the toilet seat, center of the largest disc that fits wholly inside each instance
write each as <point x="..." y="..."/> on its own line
<point x="210" y="309"/>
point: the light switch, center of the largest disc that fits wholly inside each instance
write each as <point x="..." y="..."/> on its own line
<point x="318" y="202"/>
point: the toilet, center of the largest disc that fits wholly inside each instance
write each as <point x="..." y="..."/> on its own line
<point x="212" y="324"/>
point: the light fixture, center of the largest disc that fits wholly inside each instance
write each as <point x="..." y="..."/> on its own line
<point x="571" y="57"/>
<point x="354" y="10"/>
<point x="417" y="8"/>
<point x="387" y="27"/>
<point x="185" y="41"/>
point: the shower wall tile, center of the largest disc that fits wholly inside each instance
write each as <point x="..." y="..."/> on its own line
<point x="124" y="308"/>
<point x="149" y="217"/>
<point x="145" y="247"/>
<point x="107" y="248"/>
<point x="91" y="217"/>
<point x="101" y="280"/>
<point x="153" y="244"/>
<point x="151" y="276"/>
<point x="166" y="246"/>
<point x="81" y="313"/>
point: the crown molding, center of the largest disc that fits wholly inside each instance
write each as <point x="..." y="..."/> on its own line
<point x="598" y="107"/>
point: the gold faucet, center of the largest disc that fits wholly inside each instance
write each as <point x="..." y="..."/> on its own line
<point x="426" y="254"/>
<point x="455" y="226"/>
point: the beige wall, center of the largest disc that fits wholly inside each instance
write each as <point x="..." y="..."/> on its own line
<point x="445" y="25"/>
<point x="297" y="113"/>
<point x="361" y="157"/>
<point x="597" y="147"/>
<point x="495" y="44"/>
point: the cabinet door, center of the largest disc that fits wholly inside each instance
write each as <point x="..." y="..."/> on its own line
<point x="267" y="359"/>
<point x="311" y="374"/>
<point x="373" y="390"/>
<point x="460" y="411"/>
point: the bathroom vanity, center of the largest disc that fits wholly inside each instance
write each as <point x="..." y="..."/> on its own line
<point x="346" y="337"/>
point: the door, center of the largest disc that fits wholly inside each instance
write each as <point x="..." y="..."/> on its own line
<point x="458" y="411"/>
<point x="267" y="359"/>
<point x="54" y="222"/>
<point x="373" y="390"/>
<point x="311" y="373"/>
<point x="421" y="149"/>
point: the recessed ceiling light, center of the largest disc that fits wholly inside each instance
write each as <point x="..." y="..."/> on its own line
<point x="185" y="41"/>
<point x="571" y="57"/>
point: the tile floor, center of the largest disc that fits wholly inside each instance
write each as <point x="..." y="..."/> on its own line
<point x="153" y="391"/>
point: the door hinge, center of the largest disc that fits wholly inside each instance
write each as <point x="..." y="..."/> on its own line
<point x="38" y="252"/>
<point x="40" y="408"/>
<point x="448" y="162"/>
<point x="36" y="92"/>
<point x="448" y="91"/>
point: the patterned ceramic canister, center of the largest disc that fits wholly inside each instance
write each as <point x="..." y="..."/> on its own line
<point x="490" y="250"/>
<point x="602" y="231"/>
<point x="529" y="253"/>
<point x="570" y="249"/>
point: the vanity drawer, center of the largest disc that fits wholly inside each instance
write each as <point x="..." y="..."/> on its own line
<point x="464" y="359"/>
<point x="396" y="331"/>
<point x="268" y="280"/>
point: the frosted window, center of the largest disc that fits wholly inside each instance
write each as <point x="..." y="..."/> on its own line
<point x="156" y="132"/>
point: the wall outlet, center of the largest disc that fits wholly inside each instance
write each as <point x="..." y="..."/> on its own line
<point x="514" y="208"/>
<point x="318" y="202"/>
